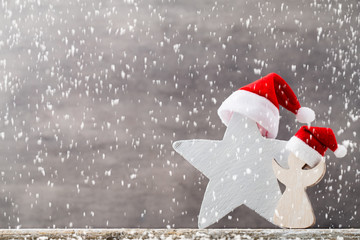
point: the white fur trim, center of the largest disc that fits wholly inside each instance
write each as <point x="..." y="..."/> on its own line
<point x="305" y="115"/>
<point x="253" y="106"/>
<point x="341" y="151"/>
<point x="303" y="151"/>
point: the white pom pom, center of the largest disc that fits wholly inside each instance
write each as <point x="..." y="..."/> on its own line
<point x="305" y="115"/>
<point x="340" y="151"/>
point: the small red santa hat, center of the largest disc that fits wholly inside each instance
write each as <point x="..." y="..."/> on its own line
<point x="310" y="144"/>
<point x="260" y="101"/>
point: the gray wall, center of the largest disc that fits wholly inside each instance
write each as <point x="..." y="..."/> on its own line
<point x="93" y="93"/>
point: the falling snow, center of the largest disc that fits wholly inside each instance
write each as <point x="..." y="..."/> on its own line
<point x="93" y="93"/>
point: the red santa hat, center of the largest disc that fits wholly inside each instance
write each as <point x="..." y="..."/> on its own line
<point x="260" y="102"/>
<point x="310" y="144"/>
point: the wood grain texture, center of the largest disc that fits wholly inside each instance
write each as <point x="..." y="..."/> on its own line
<point x="294" y="208"/>
<point x="239" y="170"/>
<point x="114" y="234"/>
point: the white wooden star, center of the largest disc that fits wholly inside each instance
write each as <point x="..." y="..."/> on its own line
<point x="239" y="170"/>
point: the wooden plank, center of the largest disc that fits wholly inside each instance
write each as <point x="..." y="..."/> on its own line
<point x="112" y="234"/>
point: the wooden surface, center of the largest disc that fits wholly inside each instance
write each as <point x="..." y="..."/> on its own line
<point x="239" y="169"/>
<point x="111" y="234"/>
<point x="294" y="209"/>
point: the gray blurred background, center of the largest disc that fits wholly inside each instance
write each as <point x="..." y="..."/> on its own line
<point x="93" y="93"/>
